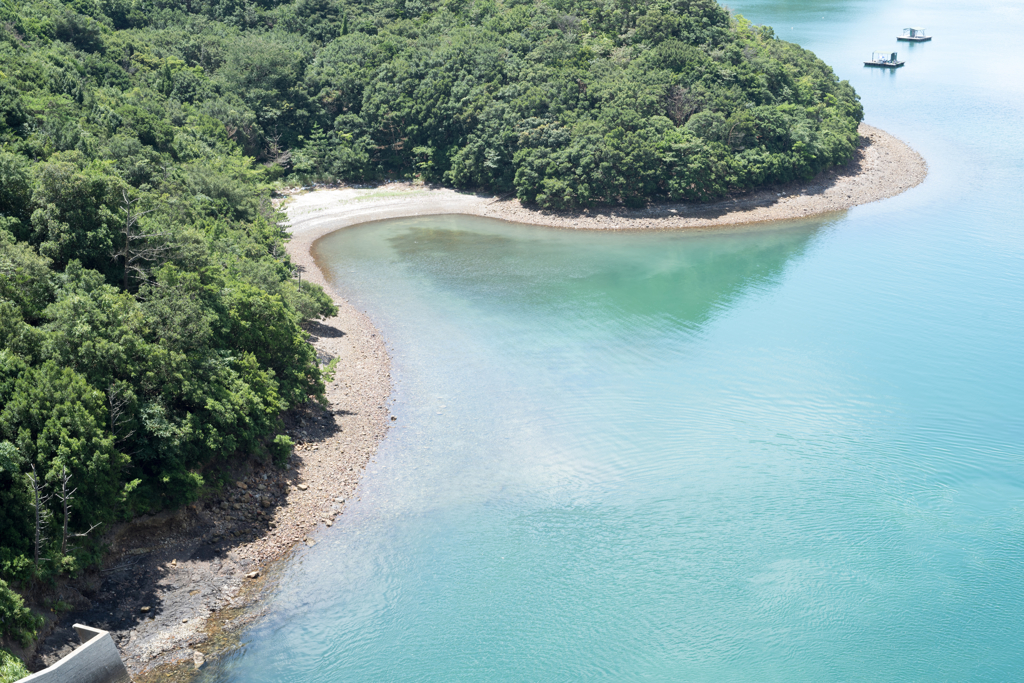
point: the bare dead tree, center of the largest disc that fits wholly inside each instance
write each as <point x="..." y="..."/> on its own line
<point x="252" y="142"/>
<point x="138" y="248"/>
<point x="735" y="139"/>
<point x="273" y="143"/>
<point x="267" y="210"/>
<point x="389" y="126"/>
<point x="738" y="134"/>
<point x="681" y="104"/>
<point x="12" y="31"/>
<point x="284" y="159"/>
<point x="277" y="154"/>
<point x="40" y="501"/>
<point x="569" y="25"/>
<point x="117" y="404"/>
<point x="65" y="497"/>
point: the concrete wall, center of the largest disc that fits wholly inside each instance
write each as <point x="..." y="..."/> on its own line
<point x="97" y="661"/>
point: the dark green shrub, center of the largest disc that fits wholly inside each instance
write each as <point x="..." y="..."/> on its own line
<point x="16" y="620"/>
<point x="281" y="449"/>
<point x="11" y="668"/>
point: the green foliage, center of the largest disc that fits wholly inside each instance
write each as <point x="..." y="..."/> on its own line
<point x="77" y="210"/>
<point x="150" y="320"/>
<point x="564" y="103"/>
<point x="26" y="279"/>
<point x="15" y="526"/>
<point x="262" y="325"/>
<point x="329" y="370"/>
<point x="149" y="317"/>
<point x="57" y="421"/>
<point x="17" y="622"/>
<point x="570" y="103"/>
<point x="11" y="668"/>
<point x="310" y="301"/>
<point x="15" y="192"/>
<point x="282" y="449"/>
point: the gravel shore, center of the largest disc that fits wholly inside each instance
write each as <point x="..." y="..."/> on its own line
<point x="175" y="587"/>
<point x="175" y="584"/>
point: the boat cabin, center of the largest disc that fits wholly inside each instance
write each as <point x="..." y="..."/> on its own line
<point x="884" y="59"/>
<point x="914" y="35"/>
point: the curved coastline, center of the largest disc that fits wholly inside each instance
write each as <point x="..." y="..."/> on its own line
<point x="330" y="462"/>
<point x="884" y="166"/>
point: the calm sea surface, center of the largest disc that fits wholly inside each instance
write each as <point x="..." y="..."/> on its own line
<point x="790" y="453"/>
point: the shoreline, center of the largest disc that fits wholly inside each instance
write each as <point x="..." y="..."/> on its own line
<point x="884" y="166"/>
<point x="333" y="446"/>
<point x="176" y="587"/>
<point x="203" y="577"/>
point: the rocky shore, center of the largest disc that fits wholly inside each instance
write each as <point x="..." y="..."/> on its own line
<point x="175" y="583"/>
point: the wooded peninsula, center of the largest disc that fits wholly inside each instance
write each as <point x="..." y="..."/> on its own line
<point x="150" y="316"/>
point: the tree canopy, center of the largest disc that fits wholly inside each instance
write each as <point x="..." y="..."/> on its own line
<point x="150" y="320"/>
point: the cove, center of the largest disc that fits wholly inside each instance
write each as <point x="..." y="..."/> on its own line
<point x="790" y="452"/>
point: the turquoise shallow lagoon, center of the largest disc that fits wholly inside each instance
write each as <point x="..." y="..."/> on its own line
<point x="793" y="452"/>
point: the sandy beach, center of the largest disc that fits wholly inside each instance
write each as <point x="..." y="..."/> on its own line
<point x="883" y="167"/>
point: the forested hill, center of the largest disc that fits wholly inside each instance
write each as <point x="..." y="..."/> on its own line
<point x="562" y="102"/>
<point x="149" y="316"/>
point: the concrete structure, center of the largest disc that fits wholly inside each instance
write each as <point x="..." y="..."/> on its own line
<point x="97" y="661"/>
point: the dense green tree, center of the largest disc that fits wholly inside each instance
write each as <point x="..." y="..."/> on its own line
<point x="26" y="279"/>
<point x="15" y="194"/>
<point x="76" y="215"/>
<point x="56" y="420"/>
<point x="261" y="325"/>
<point x="17" y="622"/>
<point x="150" y="319"/>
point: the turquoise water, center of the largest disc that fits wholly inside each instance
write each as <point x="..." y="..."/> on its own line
<point x="790" y="453"/>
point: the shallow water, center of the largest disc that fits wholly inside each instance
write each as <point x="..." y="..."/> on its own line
<point x="788" y="453"/>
